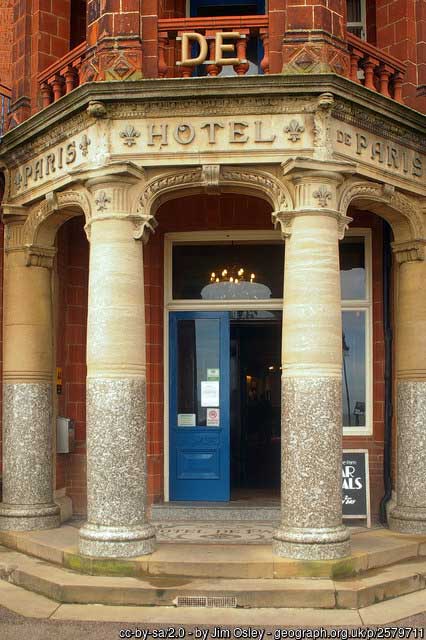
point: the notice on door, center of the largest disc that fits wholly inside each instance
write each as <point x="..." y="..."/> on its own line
<point x="209" y="393"/>
<point x="213" y="374"/>
<point x="213" y="417"/>
<point x="186" y="419"/>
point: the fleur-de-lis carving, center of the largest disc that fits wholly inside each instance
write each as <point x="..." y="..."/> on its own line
<point x="129" y="135"/>
<point x="294" y="130"/>
<point x="323" y="195"/>
<point x="84" y="145"/>
<point x="102" y="201"/>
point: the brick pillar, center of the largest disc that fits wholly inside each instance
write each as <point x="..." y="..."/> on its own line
<point x="400" y="32"/>
<point x="41" y="36"/>
<point x="114" y="40"/>
<point x="314" y="38"/>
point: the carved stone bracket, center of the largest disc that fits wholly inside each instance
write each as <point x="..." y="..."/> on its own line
<point x="211" y="178"/>
<point x="323" y="146"/>
<point x="409" y="251"/>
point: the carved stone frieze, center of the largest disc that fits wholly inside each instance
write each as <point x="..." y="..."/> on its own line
<point x="55" y="135"/>
<point x="358" y="116"/>
<point x="213" y="106"/>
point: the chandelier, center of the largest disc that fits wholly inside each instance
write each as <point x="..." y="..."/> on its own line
<point x="231" y="283"/>
<point x="231" y="275"/>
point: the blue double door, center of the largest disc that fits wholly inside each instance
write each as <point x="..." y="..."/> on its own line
<point x="199" y="442"/>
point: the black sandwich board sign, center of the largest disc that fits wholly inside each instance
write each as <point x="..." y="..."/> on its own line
<point x="356" y="485"/>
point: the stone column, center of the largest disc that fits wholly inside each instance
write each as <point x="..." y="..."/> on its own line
<point x="311" y="431"/>
<point x="116" y="401"/>
<point x="27" y="387"/>
<point x="409" y="515"/>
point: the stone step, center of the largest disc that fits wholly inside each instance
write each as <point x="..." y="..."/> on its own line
<point x="66" y="586"/>
<point x="216" y="512"/>
<point x="371" y="549"/>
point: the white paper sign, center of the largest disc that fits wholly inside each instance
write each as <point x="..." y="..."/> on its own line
<point x="186" y="419"/>
<point x="213" y="374"/>
<point x="209" y="393"/>
<point x="213" y="416"/>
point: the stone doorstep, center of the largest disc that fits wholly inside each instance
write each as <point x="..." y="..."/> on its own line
<point x="371" y="549"/>
<point x="65" y="586"/>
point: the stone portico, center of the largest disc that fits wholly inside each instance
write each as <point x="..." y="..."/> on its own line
<point x="116" y="158"/>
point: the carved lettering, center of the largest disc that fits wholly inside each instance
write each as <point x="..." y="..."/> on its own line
<point x="236" y="131"/>
<point x="50" y="164"/>
<point x="162" y="134"/>
<point x="211" y="128"/>
<point x="184" y="133"/>
<point x="378" y="152"/>
<point x="71" y="153"/>
<point x="417" y="167"/>
<point x="258" y="133"/>
<point x="361" y="143"/>
<point x="38" y="170"/>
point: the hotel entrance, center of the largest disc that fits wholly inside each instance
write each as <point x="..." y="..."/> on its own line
<point x="225" y="401"/>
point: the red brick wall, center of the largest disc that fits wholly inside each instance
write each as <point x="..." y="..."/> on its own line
<point x="374" y="443"/>
<point x="73" y="273"/>
<point x="6" y="41"/>
<point x="399" y="35"/>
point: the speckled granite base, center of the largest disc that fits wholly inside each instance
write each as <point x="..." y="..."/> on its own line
<point x="27" y="458"/>
<point x="312" y="544"/>
<point x="409" y="516"/>
<point x="116" y="542"/>
<point x="116" y="470"/>
<point x="311" y="470"/>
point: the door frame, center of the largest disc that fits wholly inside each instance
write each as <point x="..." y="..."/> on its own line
<point x="170" y="305"/>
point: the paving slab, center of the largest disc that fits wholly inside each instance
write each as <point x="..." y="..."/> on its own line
<point x="394" y="610"/>
<point x="26" y="603"/>
<point x="380" y="584"/>
<point x="193" y="616"/>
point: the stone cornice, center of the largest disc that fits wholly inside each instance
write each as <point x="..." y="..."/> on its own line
<point x="250" y="87"/>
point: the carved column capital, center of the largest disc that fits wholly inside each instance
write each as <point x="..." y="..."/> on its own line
<point x="316" y="186"/>
<point x="410" y="251"/>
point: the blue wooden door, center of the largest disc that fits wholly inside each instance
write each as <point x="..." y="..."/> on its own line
<point x="199" y="406"/>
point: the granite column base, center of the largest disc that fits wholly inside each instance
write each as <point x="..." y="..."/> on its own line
<point x="311" y="488"/>
<point x="409" y="515"/>
<point x="116" y="470"/>
<point x="27" y="458"/>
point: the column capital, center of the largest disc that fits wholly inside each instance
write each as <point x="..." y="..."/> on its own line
<point x="410" y="251"/>
<point x="316" y="185"/>
<point x="113" y="197"/>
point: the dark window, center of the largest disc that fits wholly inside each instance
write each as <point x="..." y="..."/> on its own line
<point x="77" y="23"/>
<point x="199" y="271"/>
